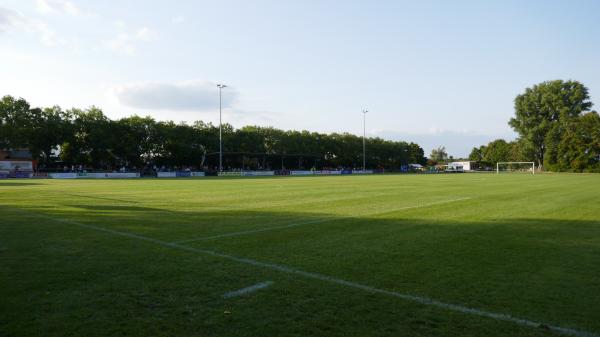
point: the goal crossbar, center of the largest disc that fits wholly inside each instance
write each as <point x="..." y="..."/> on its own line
<point x="515" y="162"/>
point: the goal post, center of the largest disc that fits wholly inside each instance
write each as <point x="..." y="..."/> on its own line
<point x="515" y="166"/>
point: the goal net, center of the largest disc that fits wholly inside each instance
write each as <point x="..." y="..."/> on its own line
<point x="516" y="167"/>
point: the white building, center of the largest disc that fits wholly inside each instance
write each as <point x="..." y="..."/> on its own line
<point x="465" y="165"/>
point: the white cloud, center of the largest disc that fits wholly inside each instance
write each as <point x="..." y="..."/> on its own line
<point x="194" y="95"/>
<point x="48" y="36"/>
<point x="13" y="20"/>
<point x="119" y="24"/>
<point x="9" y="19"/>
<point x="178" y="19"/>
<point x="57" y="6"/>
<point x="145" y="34"/>
<point x="127" y="42"/>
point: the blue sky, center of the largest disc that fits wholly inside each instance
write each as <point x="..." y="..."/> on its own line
<point x="434" y="72"/>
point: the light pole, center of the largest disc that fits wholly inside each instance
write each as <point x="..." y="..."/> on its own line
<point x="364" y="133"/>
<point x="220" y="86"/>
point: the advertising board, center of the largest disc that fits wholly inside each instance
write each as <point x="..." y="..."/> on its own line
<point x="362" y="172"/>
<point x="302" y="173"/>
<point x="93" y="175"/>
<point x="258" y="173"/>
<point x="327" y="172"/>
<point x="100" y="175"/>
<point x="230" y="174"/>
<point x="65" y="175"/>
<point x="179" y="174"/>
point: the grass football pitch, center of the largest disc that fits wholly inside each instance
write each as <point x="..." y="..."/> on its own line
<point x="381" y="255"/>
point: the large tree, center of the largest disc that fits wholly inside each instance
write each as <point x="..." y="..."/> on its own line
<point x="543" y="106"/>
<point x="39" y="130"/>
<point x="477" y="153"/>
<point x="576" y="145"/>
<point x="16" y="122"/>
<point x="51" y="128"/>
<point x="439" y="154"/>
<point x="137" y="140"/>
<point x="90" y="140"/>
<point x="497" y="151"/>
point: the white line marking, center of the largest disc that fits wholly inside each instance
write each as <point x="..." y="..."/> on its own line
<point x="253" y="231"/>
<point x="289" y="270"/>
<point x="315" y="221"/>
<point x="248" y="290"/>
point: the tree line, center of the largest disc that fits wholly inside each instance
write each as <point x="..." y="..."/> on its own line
<point x="557" y="129"/>
<point x="89" y="138"/>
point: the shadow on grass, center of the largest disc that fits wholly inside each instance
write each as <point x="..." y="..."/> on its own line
<point x="17" y="183"/>
<point x="536" y="268"/>
<point x="116" y="208"/>
<point x="101" y="198"/>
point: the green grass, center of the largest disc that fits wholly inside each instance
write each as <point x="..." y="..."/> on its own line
<point x="98" y="258"/>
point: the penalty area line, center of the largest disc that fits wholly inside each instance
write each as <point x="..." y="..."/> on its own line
<point x="329" y="279"/>
<point x="316" y="221"/>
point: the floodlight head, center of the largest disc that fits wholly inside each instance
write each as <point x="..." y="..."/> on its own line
<point x="220" y="86"/>
<point x="365" y="111"/>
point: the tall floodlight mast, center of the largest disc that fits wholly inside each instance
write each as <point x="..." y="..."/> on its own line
<point x="364" y="133"/>
<point x="220" y="86"/>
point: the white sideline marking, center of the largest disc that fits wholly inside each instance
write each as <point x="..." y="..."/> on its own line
<point x="320" y="220"/>
<point x="247" y="290"/>
<point x="289" y="270"/>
